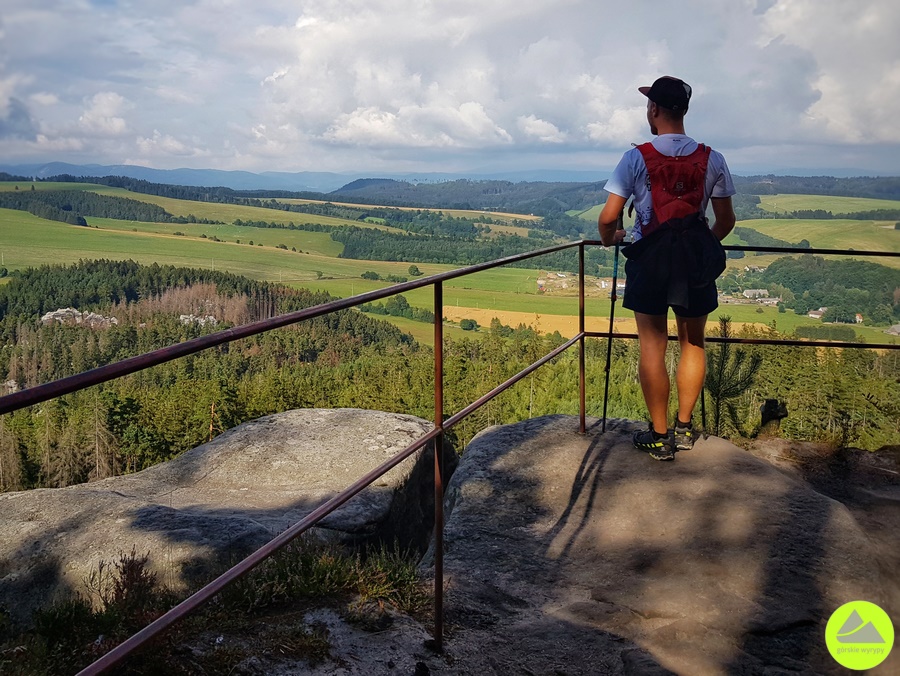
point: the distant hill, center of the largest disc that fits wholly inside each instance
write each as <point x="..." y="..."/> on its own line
<point x="882" y="187"/>
<point x="538" y="197"/>
<point x="302" y="181"/>
<point x="528" y="192"/>
<point x="236" y="180"/>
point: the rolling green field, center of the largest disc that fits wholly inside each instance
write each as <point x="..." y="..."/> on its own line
<point x="788" y="321"/>
<point x="836" y="205"/>
<point x="455" y="213"/>
<point x="831" y="234"/>
<point x="788" y="203"/>
<point x="227" y="213"/>
<point x="27" y="241"/>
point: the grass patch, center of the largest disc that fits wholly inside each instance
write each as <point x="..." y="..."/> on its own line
<point x="592" y="214"/>
<point x="423" y="332"/>
<point x="836" y="205"/>
<point x="310" y="570"/>
<point x="25" y="186"/>
<point x="479" y="298"/>
<point x="123" y="596"/>
<point x="308" y="242"/>
<point x="832" y="234"/>
<point x="497" y="230"/>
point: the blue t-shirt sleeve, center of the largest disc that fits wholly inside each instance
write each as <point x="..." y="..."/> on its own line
<point x="621" y="182"/>
<point x="724" y="185"/>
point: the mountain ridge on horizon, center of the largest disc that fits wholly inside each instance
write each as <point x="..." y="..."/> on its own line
<point x="299" y="181"/>
<point x="325" y="182"/>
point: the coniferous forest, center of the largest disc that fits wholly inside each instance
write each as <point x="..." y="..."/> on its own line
<point x="347" y="359"/>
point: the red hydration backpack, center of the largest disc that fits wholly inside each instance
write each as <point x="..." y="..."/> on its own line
<point x="677" y="185"/>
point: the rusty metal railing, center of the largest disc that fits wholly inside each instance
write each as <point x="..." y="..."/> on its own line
<point x="40" y="393"/>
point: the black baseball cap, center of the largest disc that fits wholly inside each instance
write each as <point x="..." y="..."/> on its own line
<point x="669" y="92"/>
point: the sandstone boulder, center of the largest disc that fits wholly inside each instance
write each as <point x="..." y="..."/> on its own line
<point x="218" y="502"/>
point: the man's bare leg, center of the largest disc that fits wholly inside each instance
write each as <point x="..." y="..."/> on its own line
<point x="691" y="365"/>
<point x="653" y="336"/>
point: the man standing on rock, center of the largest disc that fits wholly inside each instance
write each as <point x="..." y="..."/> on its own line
<point x="675" y="258"/>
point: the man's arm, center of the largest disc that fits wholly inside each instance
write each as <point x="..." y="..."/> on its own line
<point x="724" y="213"/>
<point x="609" y="235"/>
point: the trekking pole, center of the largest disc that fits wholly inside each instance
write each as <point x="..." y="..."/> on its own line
<point x="703" y="411"/>
<point x="612" y="313"/>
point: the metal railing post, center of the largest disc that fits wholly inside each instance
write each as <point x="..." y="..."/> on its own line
<point x="438" y="467"/>
<point x="581" y="374"/>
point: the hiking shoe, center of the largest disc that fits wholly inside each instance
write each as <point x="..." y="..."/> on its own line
<point x="684" y="436"/>
<point x="659" y="448"/>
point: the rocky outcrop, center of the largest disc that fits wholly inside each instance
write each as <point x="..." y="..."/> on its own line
<point x="220" y="501"/>
<point x="581" y="555"/>
<point x="72" y="317"/>
<point x="208" y="320"/>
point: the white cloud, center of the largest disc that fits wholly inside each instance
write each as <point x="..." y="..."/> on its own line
<point x="277" y="75"/>
<point x="347" y="84"/>
<point x="176" y="95"/>
<point x="618" y="127"/>
<point x="465" y="126"/>
<point x="59" y="144"/>
<point x="163" y="145"/>
<point x="101" y="116"/>
<point x="541" y="130"/>
<point x="44" y="98"/>
<point x="855" y="48"/>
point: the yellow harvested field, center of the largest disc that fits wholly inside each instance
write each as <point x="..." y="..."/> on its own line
<point x="567" y="326"/>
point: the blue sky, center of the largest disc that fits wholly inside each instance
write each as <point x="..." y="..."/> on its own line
<point x="444" y="85"/>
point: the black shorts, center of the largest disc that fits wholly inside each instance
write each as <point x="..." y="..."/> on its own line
<point x="644" y="293"/>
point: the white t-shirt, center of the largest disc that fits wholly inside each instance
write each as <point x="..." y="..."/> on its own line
<point x="630" y="176"/>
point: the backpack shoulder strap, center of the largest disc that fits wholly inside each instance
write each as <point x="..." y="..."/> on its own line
<point x="649" y="152"/>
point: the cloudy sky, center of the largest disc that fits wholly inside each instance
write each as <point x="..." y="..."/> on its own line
<point x="444" y="85"/>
